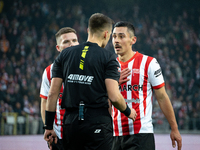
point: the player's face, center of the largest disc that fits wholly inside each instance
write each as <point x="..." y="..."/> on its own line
<point x="67" y="40"/>
<point x="122" y="42"/>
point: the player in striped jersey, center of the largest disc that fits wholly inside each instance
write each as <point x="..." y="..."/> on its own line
<point x="65" y="37"/>
<point x="145" y="76"/>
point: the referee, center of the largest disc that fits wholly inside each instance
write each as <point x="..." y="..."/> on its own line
<point x="90" y="75"/>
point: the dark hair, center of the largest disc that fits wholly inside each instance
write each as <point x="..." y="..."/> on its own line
<point x="64" y="30"/>
<point x="99" y="22"/>
<point x="130" y="27"/>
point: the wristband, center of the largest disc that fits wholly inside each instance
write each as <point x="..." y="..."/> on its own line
<point x="49" y="119"/>
<point x="127" y="111"/>
<point x="47" y="127"/>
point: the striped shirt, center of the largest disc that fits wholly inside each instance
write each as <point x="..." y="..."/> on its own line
<point x="45" y="87"/>
<point x="146" y="75"/>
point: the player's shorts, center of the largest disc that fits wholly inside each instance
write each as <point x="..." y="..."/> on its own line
<point x="94" y="133"/>
<point x="141" y="141"/>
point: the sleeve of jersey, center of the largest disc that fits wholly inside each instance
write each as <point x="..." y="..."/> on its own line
<point x="45" y="86"/>
<point x="57" y="70"/>
<point x="112" y="66"/>
<point x="155" y="74"/>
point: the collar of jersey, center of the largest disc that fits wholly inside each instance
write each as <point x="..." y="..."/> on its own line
<point x="123" y="63"/>
<point x="90" y="43"/>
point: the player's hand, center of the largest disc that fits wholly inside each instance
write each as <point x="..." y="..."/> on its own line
<point x="123" y="75"/>
<point x="175" y="136"/>
<point x="50" y="136"/>
<point x="133" y="114"/>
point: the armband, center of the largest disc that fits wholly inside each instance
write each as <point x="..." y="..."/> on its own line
<point x="49" y="119"/>
<point x="127" y="111"/>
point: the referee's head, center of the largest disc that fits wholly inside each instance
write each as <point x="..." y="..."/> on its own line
<point x="100" y="26"/>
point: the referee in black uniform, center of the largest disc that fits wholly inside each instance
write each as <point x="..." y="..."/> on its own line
<point x="90" y="75"/>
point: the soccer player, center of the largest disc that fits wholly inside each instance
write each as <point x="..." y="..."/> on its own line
<point x="90" y="75"/>
<point x="146" y="77"/>
<point x="65" y="37"/>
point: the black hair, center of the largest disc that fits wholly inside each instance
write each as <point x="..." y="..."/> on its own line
<point x="129" y="26"/>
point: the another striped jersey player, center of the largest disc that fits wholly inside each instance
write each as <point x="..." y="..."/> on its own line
<point x="46" y="82"/>
<point x="145" y="76"/>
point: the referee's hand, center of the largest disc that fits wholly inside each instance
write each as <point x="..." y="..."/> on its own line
<point x="50" y="136"/>
<point x="133" y="114"/>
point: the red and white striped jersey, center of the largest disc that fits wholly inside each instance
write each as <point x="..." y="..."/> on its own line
<point x="146" y="75"/>
<point x="45" y="87"/>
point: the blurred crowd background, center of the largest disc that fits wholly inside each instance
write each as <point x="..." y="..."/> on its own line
<point x="167" y="30"/>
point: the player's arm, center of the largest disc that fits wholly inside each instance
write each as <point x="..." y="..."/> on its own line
<point x="117" y="99"/>
<point x="166" y="106"/>
<point x="45" y="86"/>
<point x="167" y="109"/>
<point x="43" y="108"/>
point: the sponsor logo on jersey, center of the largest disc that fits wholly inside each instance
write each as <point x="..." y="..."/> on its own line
<point x="135" y="71"/>
<point x="131" y="87"/>
<point x="81" y="79"/>
<point x="132" y="100"/>
<point x="97" y="131"/>
<point x="157" y="73"/>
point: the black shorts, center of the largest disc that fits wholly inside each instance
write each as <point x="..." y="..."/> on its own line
<point x="58" y="145"/>
<point x="94" y="133"/>
<point x="141" y="141"/>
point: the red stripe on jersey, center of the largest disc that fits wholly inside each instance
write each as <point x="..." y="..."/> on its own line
<point x="135" y="93"/>
<point x="62" y="112"/>
<point x="49" y="73"/>
<point x="42" y="96"/>
<point x="61" y="131"/>
<point x="124" y="123"/>
<point x="159" y="86"/>
<point x="115" y="121"/>
<point x="149" y="59"/>
<point x="56" y="120"/>
<point x="60" y="96"/>
<point x="124" y="92"/>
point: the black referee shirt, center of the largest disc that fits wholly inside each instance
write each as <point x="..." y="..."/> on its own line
<point x="84" y="69"/>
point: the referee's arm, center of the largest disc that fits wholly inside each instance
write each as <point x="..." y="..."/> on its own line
<point x="117" y="99"/>
<point x="49" y="134"/>
<point x="54" y="91"/>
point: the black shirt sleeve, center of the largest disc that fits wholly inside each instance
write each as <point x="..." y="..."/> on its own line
<point x="112" y="68"/>
<point x="57" y="70"/>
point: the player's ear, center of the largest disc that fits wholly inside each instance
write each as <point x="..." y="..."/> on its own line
<point x="58" y="48"/>
<point x="133" y="40"/>
<point x="105" y="34"/>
